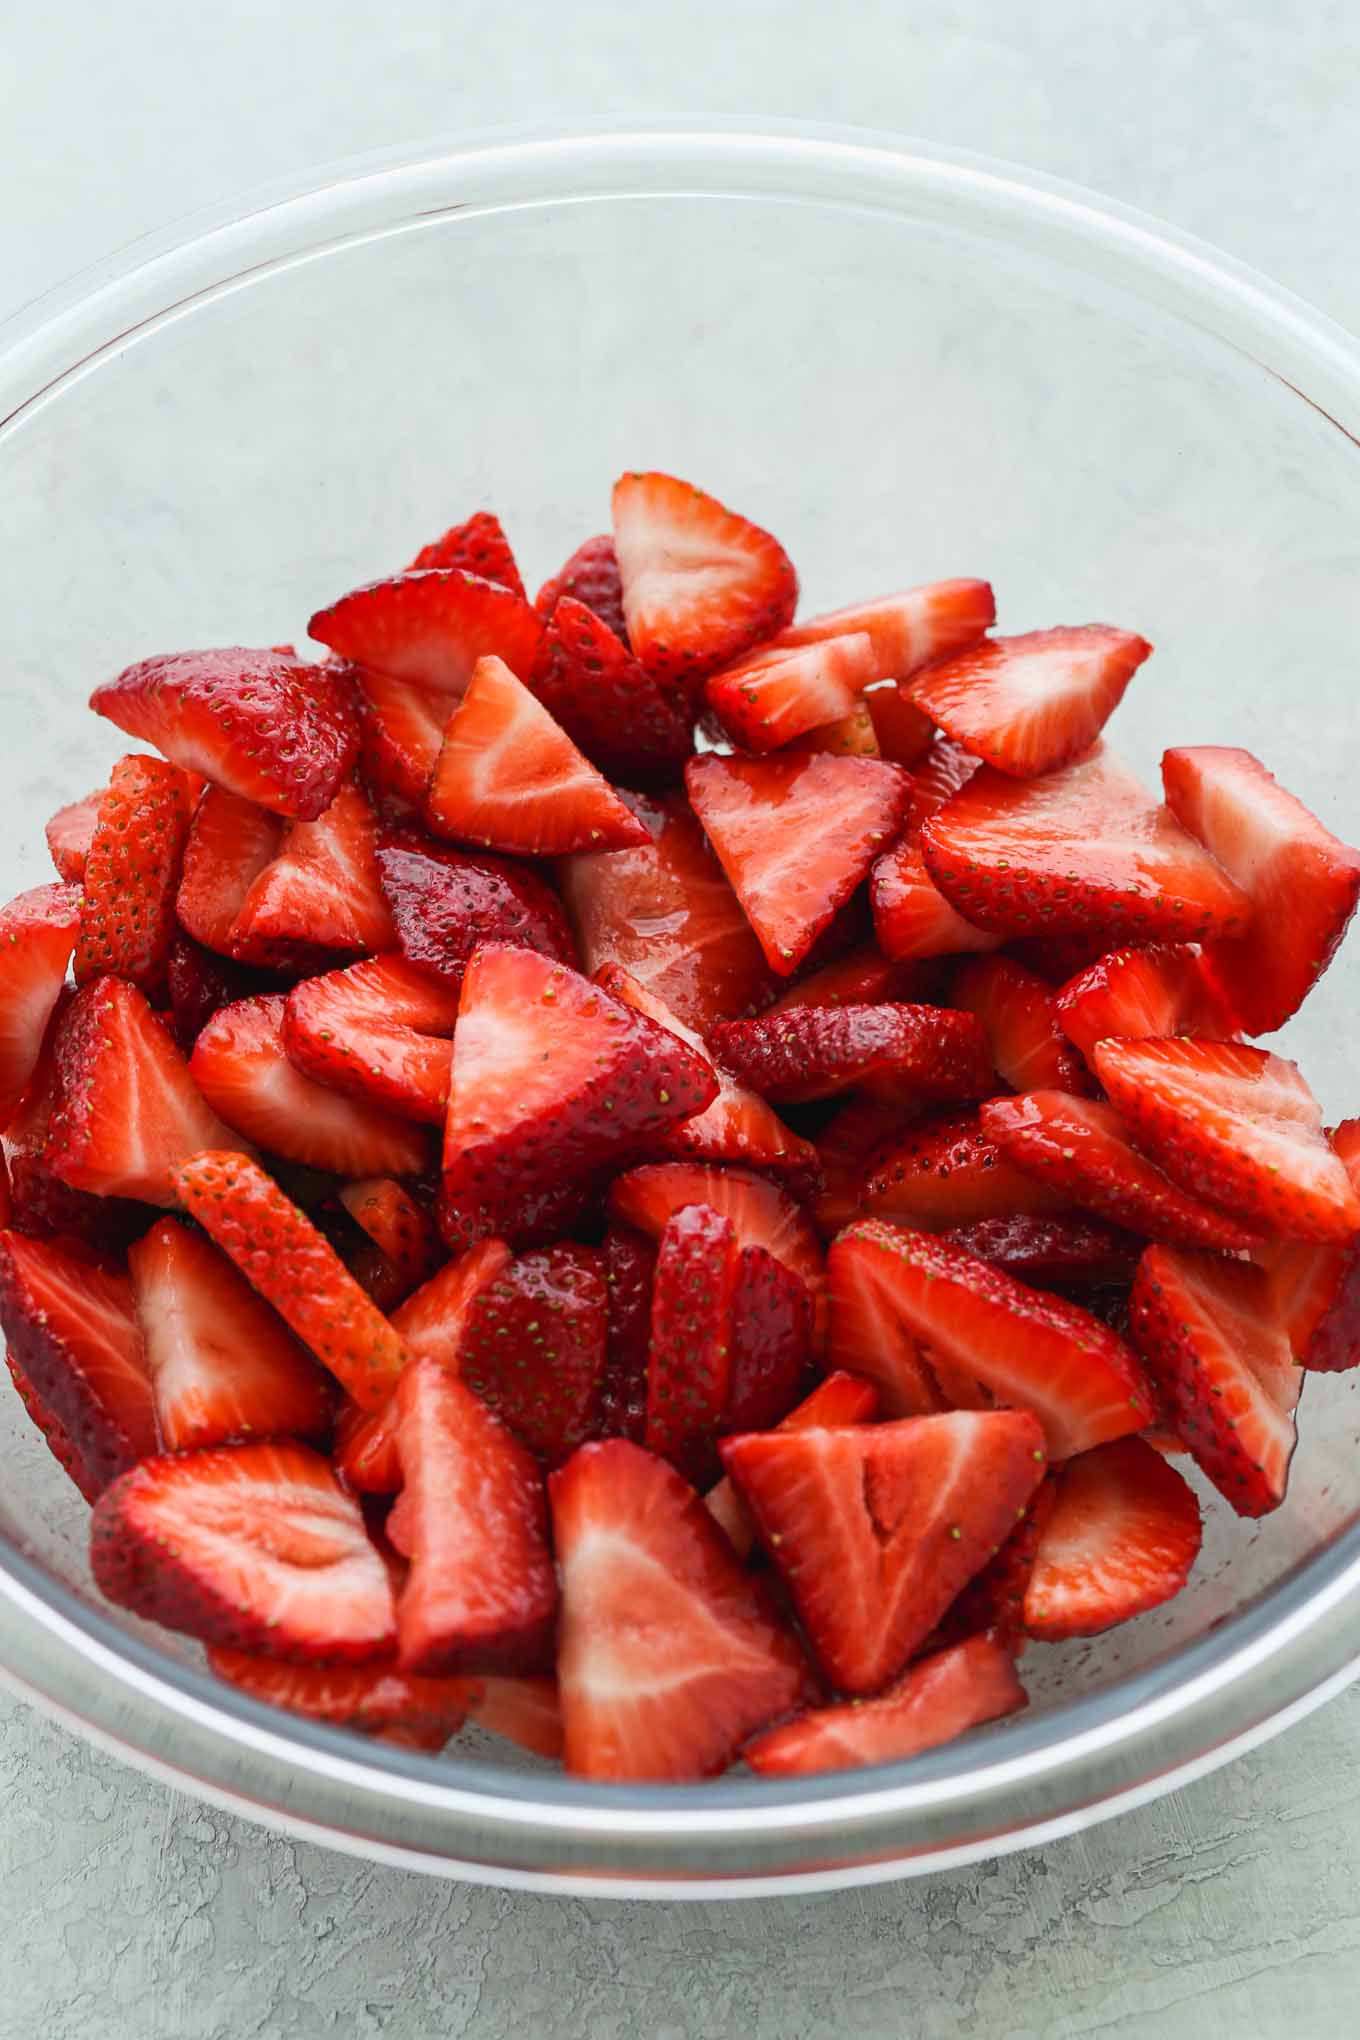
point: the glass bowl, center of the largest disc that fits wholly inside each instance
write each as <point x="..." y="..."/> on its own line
<point x="909" y="364"/>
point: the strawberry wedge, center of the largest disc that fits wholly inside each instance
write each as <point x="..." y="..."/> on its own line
<point x="37" y="936"/>
<point x="906" y="630"/>
<point x="131" y="873"/>
<point x="479" y="546"/>
<point x="431" y="628"/>
<point x="905" y="1055"/>
<point x="444" y="901"/>
<point x="1315" y="1288"/>
<point x="378" y="1700"/>
<point x="533" y="1347"/>
<point x="1139" y="993"/>
<point x="620" y="715"/>
<point x="1019" y="1013"/>
<point x="1029" y="704"/>
<point x="591" y="577"/>
<point x="776" y="695"/>
<point x="948" y="1172"/>
<point x="1121" y="1538"/>
<point x="381" y="1031"/>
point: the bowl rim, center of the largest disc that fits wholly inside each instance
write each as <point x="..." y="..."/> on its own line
<point x="1023" y="1781"/>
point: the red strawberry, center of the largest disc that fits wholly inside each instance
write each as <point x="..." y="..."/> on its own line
<point x="42" y="1206"/>
<point x="771" y="1338"/>
<point x="670" y="1655"/>
<point x="284" y="1257"/>
<point x="37" y="935"/>
<point x="1223" y="1368"/>
<point x="846" y="1147"/>
<point x="431" y="628"/>
<point x="533" y="1348"/>
<point x="947" y="1172"/>
<point x="242" y="1068"/>
<point x="370" y="1699"/>
<point x="1061" y="1253"/>
<point x="904" y="734"/>
<point x="839" y="1399"/>
<point x="629" y="1267"/>
<point x="1027" y="1348"/>
<point x="909" y="629"/>
<point x="850" y="736"/>
<point x="667" y="915"/>
<point x="55" y="1434"/>
<point x="69" y="834"/>
<point x="200" y="984"/>
<point x="1081" y="1149"/>
<point x="528" y="1217"/>
<point x="256" y="723"/>
<point x="945" y="767"/>
<point x="472" y="1519"/>
<point x="524" y="1711"/>
<point x="1315" y="1289"/>
<point x="255" y="1547"/>
<point x="700" y="584"/>
<point x="72" y="1334"/>
<point x="402" y="1234"/>
<point x="509" y="778"/>
<point x="876" y="1528"/>
<point x="1029" y="704"/>
<point x="401" y="730"/>
<point x="222" y="1365"/>
<point x="934" y="1701"/>
<point x="767" y="699"/>
<point x="1018" y="1011"/>
<point x="863" y="978"/>
<point x="445" y="901"/>
<point x="795" y="837"/>
<point x="127" y="914"/>
<point x="993" y="1602"/>
<point x="1137" y="993"/>
<point x="479" y="546"/>
<point x="1234" y="1125"/>
<point x="231" y="843"/>
<point x="1084" y="848"/>
<point x="904" y="1054"/>
<point x="380" y="1031"/>
<point x="689" y="1365"/>
<point x="622" y="717"/>
<point x="1122" y="1537"/>
<point x="869" y="1335"/>
<point x="320" y="892"/>
<point x="912" y="917"/>
<point x="1057" y="958"/>
<point x="1303" y="884"/>
<point x="590" y="577"/>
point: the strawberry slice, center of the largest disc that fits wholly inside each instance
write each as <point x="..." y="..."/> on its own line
<point x="869" y="1336"/>
<point x="200" y="984"/>
<point x="1029" y="1349"/>
<point x="876" y="1528"/>
<point x="127" y="914"/>
<point x="1053" y="1253"/>
<point x="231" y="843"/>
<point x="1223" y="1368"/>
<point x="690" y="1359"/>
<point x="445" y="901"/>
<point x="525" y="1711"/>
<point x="320" y="892"/>
<point x="934" y="1702"/>
<point x="912" y="917"/>
<point x="850" y="736"/>
<point x="701" y="585"/>
<point x="1138" y="993"/>
<point x="1234" y="1125"/>
<point x="1080" y="1148"/>
<point x="255" y="1547"/>
<point x="283" y="1256"/>
<point x="1302" y="882"/>
<point x="909" y="629"/>
<point x="766" y="700"/>
<point x="471" y="1517"/>
<point x="72" y="1334"/>
<point x="590" y="577"/>
<point x="670" y="1654"/>
<point x="42" y="1206"/>
<point x="622" y="717"/>
<point x="431" y="628"/>
<point x="509" y="778"/>
<point x="1314" y="1289"/>
<point x="526" y="1217"/>
<point x="1019" y="1014"/>
<point x="70" y="833"/>
<point x="37" y="935"/>
<point x="552" y="1076"/>
<point x="771" y="1342"/>
<point x="629" y="1268"/>
<point x="54" y="1433"/>
<point x="241" y="1066"/>
<point x="863" y="978"/>
<point x="1123" y="1537"/>
<point x="846" y="1148"/>
<point x="403" y="1236"/>
<point x="479" y="547"/>
<point x="533" y="1348"/>
<point x="370" y="1699"/>
<point x="947" y="1172"/>
<point x="278" y="732"/>
<point x="1029" y="704"/>
<point x="379" y="1031"/>
<point x="223" y="1366"/>
<point x="401" y="730"/>
<point x="904" y="733"/>
<point x="839" y="1399"/>
<point x="666" y="914"/>
<point x="901" y="1054"/>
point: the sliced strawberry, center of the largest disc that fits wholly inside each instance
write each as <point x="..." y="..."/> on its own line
<point x="629" y="1267"/>
<point x="1029" y="704"/>
<point x="370" y="1699"/>
<point x="431" y="627"/>
<point x="766" y="700"/>
<point x="200" y="984"/>
<point x="284" y="1257"/>
<point x="472" y="1519"/>
<point x="621" y="716"/>
<point x="869" y="1336"/>
<point x="850" y="736"/>
<point x="876" y="1528"/>
<point x="945" y="767"/>
<point x="1315" y="1289"/>
<point x="232" y="841"/>
<point x="840" y="1399"/>
<point x="846" y="1147"/>
<point x="993" y="1602"/>
<point x="771" y="1342"/>
<point x="670" y="1655"/>
<point x="590" y="577"/>
<point x="904" y="1054"/>
<point x="701" y="585"/>
<point x="445" y="901"/>
<point x="904" y="734"/>
<point x="223" y="1365"/>
<point x="795" y="837"/>
<point x="1123" y="1536"/>
<point x="1223" y="1368"/>
<point x="401" y="730"/>
<point x="255" y="1547"/>
<point x="72" y="1333"/>
<point x="690" y="1359"/>
<point x="863" y="978"/>
<point x="42" y="1206"/>
<point x="55" y="1434"/>
<point x="1053" y="1253"/>
<point x="936" y="1700"/>
<point x="1029" y="1349"/>
<point x="320" y="892"/>
<point x="1137" y="993"/>
<point x="1085" y="848"/>
<point x="526" y="1217"/>
<point x="533" y="1348"/>
<point x="381" y="1031"/>
<point x="242" y="1067"/>
<point x="255" y="723"/>
<point x="666" y="914"/>
<point x="909" y="629"/>
<point x="947" y="1172"/>
<point x="1018" y="1012"/>
<point x="37" y="935"/>
<point x="69" y="834"/>
<point x="912" y="917"/>
<point x="1237" y="1126"/>
<point x="1303" y="883"/>
<point x="479" y="546"/>
<point x="1081" y="1149"/>
<point x="525" y="1711"/>
<point x="127" y="913"/>
<point x="400" y="1230"/>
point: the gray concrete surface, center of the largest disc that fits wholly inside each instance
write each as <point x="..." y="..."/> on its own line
<point x="130" y="1913"/>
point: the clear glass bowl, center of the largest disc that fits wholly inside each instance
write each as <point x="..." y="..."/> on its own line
<point x="908" y="364"/>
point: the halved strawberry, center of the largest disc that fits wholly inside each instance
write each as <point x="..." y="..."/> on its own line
<point x="863" y="978"/>
<point x="37" y="935"/>
<point x="445" y="901"/>
<point x="912" y="917"/>
<point x="1303" y="883"/>
<point x="666" y="914"/>
<point x="1222" y="1365"/>
<point x="670" y="1654"/>
<point x="1029" y="704"/>
<point x="1080" y="1147"/>
<point x="401" y="729"/>
<point x="256" y="1547"/>
<point x="629" y="1267"/>
<point x="1017" y="1009"/>
<point x="1029" y="1349"/>
<point x="525" y="1711"/>
<point x="431" y="627"/>
<point x="242" y="1067"/>
<point x="54" y="1433"/>
<point x="71" y="1330"/>
<point x="69" y="834"/>
<point x="127" y="912"/>
<point x="381" y="1031"/>
<point x="401" y="1232"/>
<point x="319" y="892"/>
<point x="533" y="1348"/>
<point x="258" y="724"/>
<point x="1053" y="1253"/>
<point x="923" y="1055"/>
<point x="231" y="843"/>
<point x="621" y="716"/>
<point x="947" y="1172"/>
<point x="840" y="1398"/>
<point x="1137" y="993"/>
<point x="934" y="1701"/>
<point x="701" y="585"/>
<point x="1237" y="1126"/>
<point x="868" y="1334"/>
<point x="908" y="629"/>
<point x="370" y="1699"/>
<point x="590" y="577"/>
<point x="904" y="733"/>
<point x="876" y="1528"/>
<point x="1315" y="1288"/>
<point x="689" y="1364"/>
<point x="473" y="1520"/>
<point x="283" y="1256"/>
<point x="223" y="1366"/>
<point x="480" y="546"/>
<point x="767" y="699"/>
<point x="1123" y="1536"/>
<point x="795" y="837"/>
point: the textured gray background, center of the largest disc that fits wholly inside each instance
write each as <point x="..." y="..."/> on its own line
<point x="131" y="1914"/>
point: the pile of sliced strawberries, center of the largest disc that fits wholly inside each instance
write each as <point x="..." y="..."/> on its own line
<point x="681" y="1255"/>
